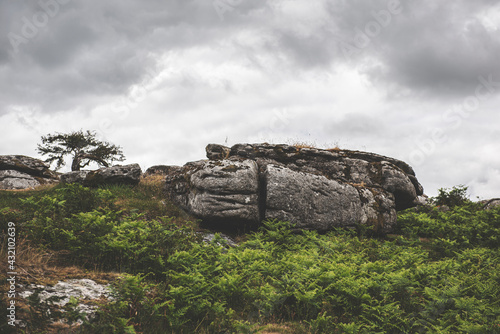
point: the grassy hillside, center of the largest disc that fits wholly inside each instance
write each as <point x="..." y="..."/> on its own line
<point x="440" y="273"/>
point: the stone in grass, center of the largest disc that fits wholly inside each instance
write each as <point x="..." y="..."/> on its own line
<point x="21" y="172"/>
<point x="15" y="180"/>
<point x="128" y="174"/>
<point x="81" y="289"/>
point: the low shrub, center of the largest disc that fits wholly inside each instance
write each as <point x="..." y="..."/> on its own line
<point x="462" y="227"/>
<point x="455" y="196"/>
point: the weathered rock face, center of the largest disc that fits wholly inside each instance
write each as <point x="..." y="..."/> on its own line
<point x="313" y="188"/>
<point x="367" y="169"/>
<point x="12" y="179"/>
<point x="161" y="170"/>
<point x="75" y="176"/>
<point x="315" y="202"/>
<point x="217" y="152"/>
<point x="128" y="174"/>
<point x="26" y="165"/>
<point x="222" y="191"/>
<point x="22" y="172"/>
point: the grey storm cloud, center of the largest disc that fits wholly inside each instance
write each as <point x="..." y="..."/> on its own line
<point x="95" y="48"/>
<point x="439" y="49"/>
<point x="435" y="48"/>
<point x="91" y="49"/>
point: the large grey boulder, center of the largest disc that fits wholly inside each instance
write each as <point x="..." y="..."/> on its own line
<point x="217" y="191"/>
<point x="310" y="201"/>
<point x="75" y="176"/>
<point x="160" y="170"/>
<point x="28" y="165"/>
<point x="217" y="152"/>
<point x="316" y="203"/>
<point x="368" y="169"/>
<point x="22" y="172"/>
<point x="127" y="174"/>
<point x="12" y="179"/>
<point x="312" y="188"/>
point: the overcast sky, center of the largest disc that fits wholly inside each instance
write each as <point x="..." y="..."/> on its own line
<point x="414" y="80"/>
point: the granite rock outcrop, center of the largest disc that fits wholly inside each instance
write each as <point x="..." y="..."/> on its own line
<point x="313" y="188"/>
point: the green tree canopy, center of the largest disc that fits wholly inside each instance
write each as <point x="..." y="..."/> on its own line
<point x="84" y="148"/>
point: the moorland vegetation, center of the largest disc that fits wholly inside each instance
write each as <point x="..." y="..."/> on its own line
<point x="439" y="273"/>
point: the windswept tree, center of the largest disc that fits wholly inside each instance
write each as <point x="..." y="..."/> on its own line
<point x="84" y="148"/>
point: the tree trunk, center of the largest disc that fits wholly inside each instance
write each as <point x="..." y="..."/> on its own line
<point x="76" y="165"/>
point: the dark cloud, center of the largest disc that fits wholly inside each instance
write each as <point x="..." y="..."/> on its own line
<point x="97" y="49"/>
<point x="90" y="49"/>
<point x="438" y="49"/>
<point x="433" y="48"/>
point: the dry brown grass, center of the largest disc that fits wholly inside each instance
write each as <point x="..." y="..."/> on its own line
<point x="42" y="187"/>
<point x="361" y="184"/>
<point x="313" y="145"/>
<point x="153" y="180"/>
<point x="26" y="256"/>
<point x="152" y="184"/>
<point x="300" y="145"/>
<point x="38" y="266"/>
<point x="334" y="149"/>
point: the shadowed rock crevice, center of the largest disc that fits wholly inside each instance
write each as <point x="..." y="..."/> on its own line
<point x="262" y="194"/>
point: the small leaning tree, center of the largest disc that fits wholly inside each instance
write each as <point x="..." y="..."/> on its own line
<point x="84" y="148"/>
